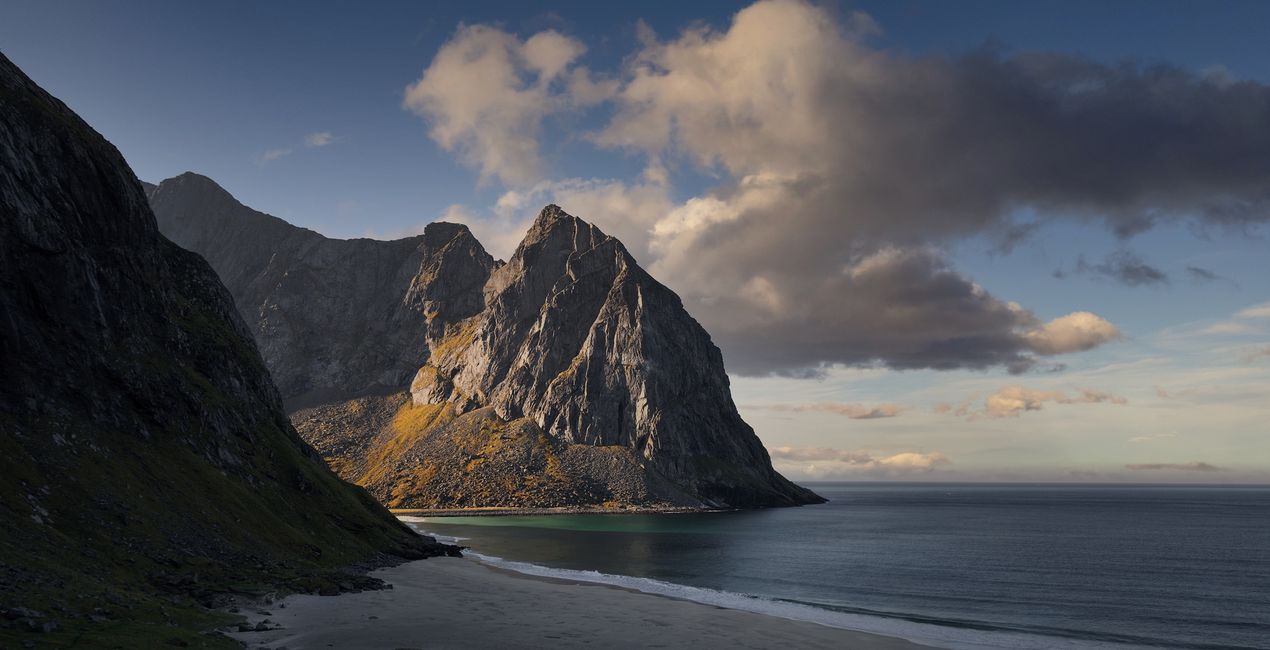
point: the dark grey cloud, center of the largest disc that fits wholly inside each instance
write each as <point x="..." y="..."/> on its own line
<point x="1200" y="274"/>
<point x="1121" y="266"/>
<point x="1186" y="467"/>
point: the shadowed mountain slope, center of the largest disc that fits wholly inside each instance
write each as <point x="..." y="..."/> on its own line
<point x="334" y="318"/>
<point x="146" y="465"/>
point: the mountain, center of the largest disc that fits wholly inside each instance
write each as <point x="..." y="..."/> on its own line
<point x="334" y="319"/>
<point x="566" y="377"/>
<point x="147" y="467"/>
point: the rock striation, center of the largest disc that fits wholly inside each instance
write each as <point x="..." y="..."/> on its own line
<point x="566" y="377"/>
<point x="147" y="467"/>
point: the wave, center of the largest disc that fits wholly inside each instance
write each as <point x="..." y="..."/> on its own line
<point x="944" y="634"/>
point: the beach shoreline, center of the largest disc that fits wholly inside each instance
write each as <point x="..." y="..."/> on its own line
<point x="467" y="603"/>
<point x="564" y="510"/>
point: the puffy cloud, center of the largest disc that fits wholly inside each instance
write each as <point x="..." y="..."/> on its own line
<point x="486" y="93"/>
<point x="319" y="139"/>
<point x="1013" y="400"/>
<point x="1194" y="466"/>
<point x="828" y="462"/>
<point x="845" y="171"/>
<point x="852" y="411"/>
<point x="840" y="153"/>
<point x="1075" y="332"/>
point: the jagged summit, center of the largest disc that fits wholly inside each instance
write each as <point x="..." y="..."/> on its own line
<point x="578" y="338"/>
<point x="568" y="350"/>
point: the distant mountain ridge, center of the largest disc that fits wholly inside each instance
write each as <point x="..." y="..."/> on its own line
<point x="334" y="318"/>
<point x="566" y="377"/>
<point x="147" y="467"/>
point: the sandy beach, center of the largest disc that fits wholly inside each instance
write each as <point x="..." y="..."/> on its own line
<point x="462" y="603"/>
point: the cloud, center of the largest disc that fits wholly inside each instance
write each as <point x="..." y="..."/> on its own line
<point x="486" y="93"/>
<point x="1200" y="274"/>
<point x="1250" y="320"/>
<point x="272" y="155"/>
<point x="827" y="462"/>
<point x="1255" y="312"/>
<point x="1195" y="466"/>
<point x="319" y="139"/>
<point x="1256" y="354"/>
<point x="1121" y="266"/>
<point x="1075" y="332"/>
<point x="1014" y="400"/>
<point x="845" y="172"/>
<point x="852" y="411"/>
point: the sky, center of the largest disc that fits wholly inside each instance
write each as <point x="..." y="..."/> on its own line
<point x="934" y="240"/>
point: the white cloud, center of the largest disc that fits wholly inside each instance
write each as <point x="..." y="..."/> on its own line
<point x="1014" y="400"/>
<point x="852" y="411"/>
<point x="272" y="155"/>
<point x="1075" y="332"/>
<point x="1255" y="312"/>
<point x="829" y="463"/>
<point x="319" y="139"/>
<point x="486" y="93"/>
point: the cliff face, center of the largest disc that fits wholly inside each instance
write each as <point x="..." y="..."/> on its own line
<point x="579" y="339"/>
<point x="146" y="464"/>
<point x="334" y="319"/>
<point x="566" y="377"/>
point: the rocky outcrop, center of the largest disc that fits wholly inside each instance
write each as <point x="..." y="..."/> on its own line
<point x="146" y="464"/>
<point x="334" y="319"/>
<point x="580" y="340"/>
<point x="436" y="456"/>
<point x="590" y="365"/>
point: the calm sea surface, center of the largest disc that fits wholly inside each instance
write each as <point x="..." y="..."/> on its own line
<point x="1035" y="566"/>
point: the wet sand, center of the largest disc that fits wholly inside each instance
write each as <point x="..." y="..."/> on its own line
<point x="462" y="603"/>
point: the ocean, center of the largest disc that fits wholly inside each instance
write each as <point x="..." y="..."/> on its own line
<point x="953" y="565"/>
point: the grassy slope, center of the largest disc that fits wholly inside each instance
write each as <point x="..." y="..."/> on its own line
<point x="146" y="467"/>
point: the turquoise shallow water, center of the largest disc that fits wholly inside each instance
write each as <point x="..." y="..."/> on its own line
<point x="1037" y="566"/>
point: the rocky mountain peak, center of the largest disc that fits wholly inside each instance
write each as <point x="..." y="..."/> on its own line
<point x="570" y="343"/>
<point x="579" y="339"/>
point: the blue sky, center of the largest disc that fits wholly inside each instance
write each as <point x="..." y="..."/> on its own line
<point x="214" y="88"/>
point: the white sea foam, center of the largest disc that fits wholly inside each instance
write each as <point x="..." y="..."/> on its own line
<point x="954" y="638"/>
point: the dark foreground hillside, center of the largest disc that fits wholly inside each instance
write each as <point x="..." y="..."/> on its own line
<point x="146" y="466"/>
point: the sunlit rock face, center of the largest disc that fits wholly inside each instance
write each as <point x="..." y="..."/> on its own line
<point x="571" y="336"/>
<point x="585" y="343"/>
